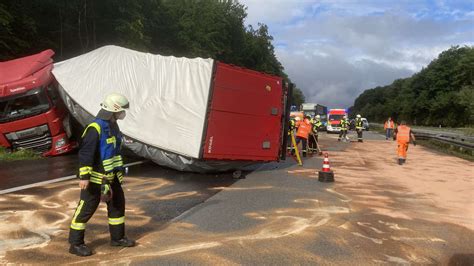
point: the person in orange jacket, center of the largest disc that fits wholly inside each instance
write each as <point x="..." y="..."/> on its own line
<point x="403" y="135"/>
<point x="388" y="127"/>
<point x="302" y="134"/>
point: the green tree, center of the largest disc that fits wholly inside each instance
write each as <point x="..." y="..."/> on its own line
<point x="440" y="94"/>
<point x="297" y="97"/>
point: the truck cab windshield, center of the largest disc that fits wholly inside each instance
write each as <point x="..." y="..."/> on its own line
<point x="30" y="103"/>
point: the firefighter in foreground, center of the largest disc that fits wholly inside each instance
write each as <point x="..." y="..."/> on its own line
<point x="359" y="128"/>
<point x="403" y="135"/>
<point x="344" y="128"/>
<point x="101" y="176"/>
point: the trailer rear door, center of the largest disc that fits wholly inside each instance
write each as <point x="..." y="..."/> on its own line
<point x="245" y="115"/>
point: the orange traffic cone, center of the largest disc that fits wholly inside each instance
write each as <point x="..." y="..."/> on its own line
<point x="326" y="174"/>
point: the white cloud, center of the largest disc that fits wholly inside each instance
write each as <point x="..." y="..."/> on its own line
<point x="333" y="50"/>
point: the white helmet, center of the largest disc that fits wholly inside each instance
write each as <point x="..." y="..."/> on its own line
<point x="115" y="103"/>
<point x="345" y="116"/>
<point x="358" y="116"/>
<point x="318" y="116"/>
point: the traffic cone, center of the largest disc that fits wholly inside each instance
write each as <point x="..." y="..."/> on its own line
<point x="326" y="174"/>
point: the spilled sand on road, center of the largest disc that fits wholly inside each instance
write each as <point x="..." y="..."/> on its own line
<point x="430" y="185"/>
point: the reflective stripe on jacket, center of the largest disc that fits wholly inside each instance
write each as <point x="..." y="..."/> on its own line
<point x="403" y="134"/>
<point x="316" y="125"/>
<point x="344" y="124"/>
<point x="107" y="159"/>
<point x="359" y="124"/>
<point x="291" y="126"/>
<point x="388" y="124"/>
<point x="304" y="129"/>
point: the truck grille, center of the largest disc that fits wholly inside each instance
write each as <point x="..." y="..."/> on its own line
<point x="38" y="139"/>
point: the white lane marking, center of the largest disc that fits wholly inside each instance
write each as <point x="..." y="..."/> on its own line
<point x="9" y="190"/>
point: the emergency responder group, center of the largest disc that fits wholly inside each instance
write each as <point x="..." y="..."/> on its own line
<point x="101" y="175"/>
<point x="307" y="132"/>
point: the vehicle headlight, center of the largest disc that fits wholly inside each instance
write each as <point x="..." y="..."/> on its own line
<point x="61" y="142"/>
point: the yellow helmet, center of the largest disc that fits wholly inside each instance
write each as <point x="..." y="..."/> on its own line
<point x="115" y="103"/>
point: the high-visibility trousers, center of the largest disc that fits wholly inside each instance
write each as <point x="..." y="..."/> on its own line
<point x="88" y="203"/>
<point x="402" y="150"/>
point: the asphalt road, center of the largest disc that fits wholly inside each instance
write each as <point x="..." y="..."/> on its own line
<point x="375" y="213"/>
<point x="20" y="173"/>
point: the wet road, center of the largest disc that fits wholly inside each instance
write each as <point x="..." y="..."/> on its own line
<point x="21" y="173"/>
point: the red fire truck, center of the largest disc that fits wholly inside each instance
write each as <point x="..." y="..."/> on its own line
<point x="32" y="114"/>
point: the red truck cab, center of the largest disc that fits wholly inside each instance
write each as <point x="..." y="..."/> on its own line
<point x="334" y="120"/>
<point x="32" y="114"/>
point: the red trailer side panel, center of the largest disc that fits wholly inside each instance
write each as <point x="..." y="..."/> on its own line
<point x="245" y="116"/>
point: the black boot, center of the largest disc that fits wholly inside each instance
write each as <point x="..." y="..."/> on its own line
<point x="80" y="250"/>
<point x="124" y="242"/>
<point x="404" y="161"/>
<point x="400" y="161"/>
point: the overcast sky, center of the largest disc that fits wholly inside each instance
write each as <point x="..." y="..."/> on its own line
<point x="333" y="50"/>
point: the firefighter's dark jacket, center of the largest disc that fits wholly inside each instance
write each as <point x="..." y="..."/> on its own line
<point x="99" y="154"/>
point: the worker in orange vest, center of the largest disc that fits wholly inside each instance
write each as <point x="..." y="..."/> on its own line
<point x="403" y="135"/>
<point x="388" y="127"/>
<point x="302" y="134"/>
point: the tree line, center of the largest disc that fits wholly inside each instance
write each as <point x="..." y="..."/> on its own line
<point x="190" y="28"/>
<point x="440" y="94"/>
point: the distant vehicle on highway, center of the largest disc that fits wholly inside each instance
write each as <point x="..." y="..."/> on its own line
<point x="313" y="109"/>
<point x="365" y="123"/>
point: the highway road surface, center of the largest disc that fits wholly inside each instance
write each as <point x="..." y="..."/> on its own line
<point x="376" y="212"/>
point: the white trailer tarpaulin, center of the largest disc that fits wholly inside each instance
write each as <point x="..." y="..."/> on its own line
<point x="168" y="95"/>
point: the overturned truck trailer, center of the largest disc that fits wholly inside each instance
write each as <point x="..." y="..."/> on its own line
<point x="188" y="114"/>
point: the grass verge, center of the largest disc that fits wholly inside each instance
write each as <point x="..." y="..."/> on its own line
<point x="17" y="155"/>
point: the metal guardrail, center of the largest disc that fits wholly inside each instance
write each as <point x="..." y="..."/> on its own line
<point x="460" y="140"/>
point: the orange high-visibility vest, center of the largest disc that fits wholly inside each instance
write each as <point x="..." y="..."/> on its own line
<point x="304" y="129"/>
<point x="403" y="134"/>
<point x="388" y="124"/>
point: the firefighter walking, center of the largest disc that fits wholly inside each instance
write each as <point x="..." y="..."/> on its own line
<point x="403" y="135"/>
<point x="101" y="176"/>
<point x="344" y="128"/>
<point x="359" y="128"/>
